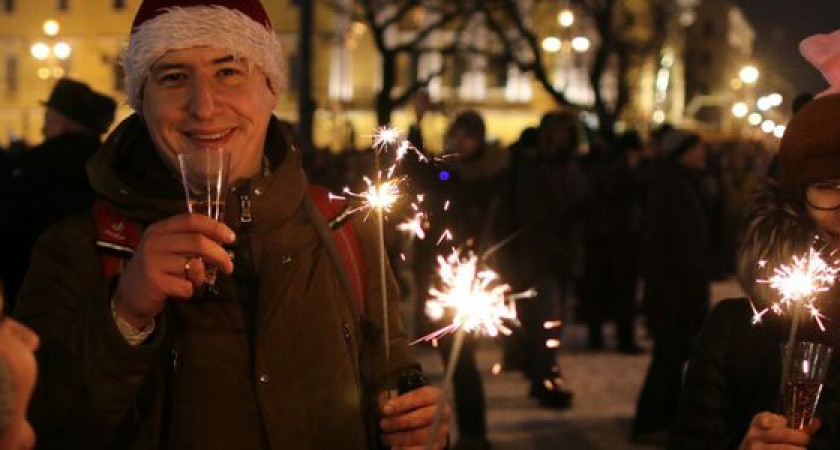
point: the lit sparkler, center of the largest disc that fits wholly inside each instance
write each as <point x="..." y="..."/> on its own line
<point x="798" y="284"/>
<point x="478" y="300"/>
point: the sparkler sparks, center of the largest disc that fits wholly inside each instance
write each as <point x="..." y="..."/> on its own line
<point x="378" y="196"/>
<point x="477" y="299"/>
<point x="799" y="283"/>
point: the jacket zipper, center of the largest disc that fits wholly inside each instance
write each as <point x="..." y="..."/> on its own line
<point x="245" y="209"/>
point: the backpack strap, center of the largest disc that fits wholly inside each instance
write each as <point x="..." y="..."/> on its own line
<point x="341" y="242"/>
<point x="116" y="237"/>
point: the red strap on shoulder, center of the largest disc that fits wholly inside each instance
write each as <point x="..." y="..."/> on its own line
<point x="331" y="207"/>
<point x="116" y="237"/>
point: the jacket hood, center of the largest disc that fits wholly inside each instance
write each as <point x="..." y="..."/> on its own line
<point x="779" y="229"/>
<point x="128" y="172"/>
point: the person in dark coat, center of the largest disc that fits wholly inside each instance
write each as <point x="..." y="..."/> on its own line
<point x="607" y="288"/>
<point x="731" y="394"/>
<point x="676" y="267"/>
<point x="543" y="214"/>
<point x="50" y="181"/>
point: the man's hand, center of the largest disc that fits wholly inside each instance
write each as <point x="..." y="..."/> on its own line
<point x="158" y="268"/>
<point x="407" y="420"/>
<point x="769" y="431"/>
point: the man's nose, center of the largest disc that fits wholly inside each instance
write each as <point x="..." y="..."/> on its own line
<point x="202" y="101"/>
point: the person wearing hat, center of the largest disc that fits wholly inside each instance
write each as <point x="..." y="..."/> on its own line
<point x="675" y="255"/>
<point x="50" y="181"/>
<point x="731" y="393"/>
<point x="145" y="356"/>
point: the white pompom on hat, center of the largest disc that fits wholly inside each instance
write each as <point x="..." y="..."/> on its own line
<point x="240" y="26"/>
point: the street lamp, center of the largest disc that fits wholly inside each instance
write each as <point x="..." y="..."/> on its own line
<point x="740" y="110"/>
<point x="580" y="44"/>
<point x="748" y="74"/>
<point x="754" y="118"/>
<point x="566" y="18"/>
<point x="551" y="44"/>
<point x="43" y="51"/>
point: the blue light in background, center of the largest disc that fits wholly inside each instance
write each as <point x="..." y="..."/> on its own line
<point x="443" y="175"/>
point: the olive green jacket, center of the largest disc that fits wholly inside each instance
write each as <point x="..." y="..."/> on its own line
<point x="275" y="362"/>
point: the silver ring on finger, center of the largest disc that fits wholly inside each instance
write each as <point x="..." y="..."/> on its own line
<point x="187" y="267"/>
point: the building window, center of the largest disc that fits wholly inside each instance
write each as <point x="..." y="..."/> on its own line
<point x="11" y="74"/>
<point x="64" y="5"/>
<point x="119" y="5"/>
<point x="9" y="6"/>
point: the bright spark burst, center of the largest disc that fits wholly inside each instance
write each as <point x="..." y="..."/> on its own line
<point x="378" y="196"/>
<point x="385" y="137"/>
<point x="477" y="299"/>
<point x="799" y="282"/>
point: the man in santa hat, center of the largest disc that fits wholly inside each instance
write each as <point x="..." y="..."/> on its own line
<point x="136" y="352"/>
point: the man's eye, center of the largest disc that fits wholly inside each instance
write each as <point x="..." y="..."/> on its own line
<point x="230" y="72"/>
<point x="172" y="77"/>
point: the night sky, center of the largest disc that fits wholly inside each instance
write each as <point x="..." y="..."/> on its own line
<point x="780" y="25"/>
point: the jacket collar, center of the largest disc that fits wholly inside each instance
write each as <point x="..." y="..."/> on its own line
<point x="128" y="172"/>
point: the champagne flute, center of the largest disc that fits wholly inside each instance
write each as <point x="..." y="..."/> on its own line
<point x="204" y="174"/>
<point x="804" y="381"/>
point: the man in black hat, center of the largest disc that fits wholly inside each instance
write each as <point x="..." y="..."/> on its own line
<point x="50" y="180"/>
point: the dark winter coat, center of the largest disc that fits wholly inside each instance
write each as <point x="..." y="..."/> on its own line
<point x="735" y="370"/>
<point x="675" y="249"/>
<point x="735" y="373"/>
<point x="50" y="183"/>
<point x="273" y="363"/>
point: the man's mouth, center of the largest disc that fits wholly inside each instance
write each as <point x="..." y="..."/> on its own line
<point x="209" y="138"/>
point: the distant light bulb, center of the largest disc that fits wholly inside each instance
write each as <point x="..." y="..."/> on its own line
<point x="40" y="51"/>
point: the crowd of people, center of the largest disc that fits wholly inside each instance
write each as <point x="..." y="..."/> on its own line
<point x="105" y="272"/>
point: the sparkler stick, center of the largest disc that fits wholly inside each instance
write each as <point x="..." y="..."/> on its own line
<point x="479" y="301"/>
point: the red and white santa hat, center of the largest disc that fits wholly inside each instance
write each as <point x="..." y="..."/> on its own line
<point x="241" y="26"/>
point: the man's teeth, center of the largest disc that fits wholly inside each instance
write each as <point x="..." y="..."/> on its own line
<point x="210" y="136"/>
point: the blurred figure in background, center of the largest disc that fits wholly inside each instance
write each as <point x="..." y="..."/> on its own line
<point x="50" y="181"/>
<point x="545" y="199"/>
<point x="607" y="289"/>
<point x="468" y="180"/>
<point x="676" y="266"/>
<point x="18" y="373"/>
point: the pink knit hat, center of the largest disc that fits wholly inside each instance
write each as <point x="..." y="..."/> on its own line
<point x="240" y="26"/>
<point x="823" y="51"/>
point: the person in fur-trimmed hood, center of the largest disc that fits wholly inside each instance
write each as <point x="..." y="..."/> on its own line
<point x="278" y="357"/>
<point x="731" y="393"/>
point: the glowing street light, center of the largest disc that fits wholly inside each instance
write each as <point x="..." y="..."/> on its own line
<point x="551" y="44"/>
<point x="740" y="110"/>
<point x="764" y="103"/>
<point x="580" y="44"/>
<point x="779" y="131"/>
<point x="61" y="50"/>
<point x="754" y="118"/>
<point x="748" y="74"/>
<point x="51" y="27"/>
<point x="768" y="126"/>
<point x="566" y="18"/>
<point x="775" y="99"/>
<point x="40" y="51"/>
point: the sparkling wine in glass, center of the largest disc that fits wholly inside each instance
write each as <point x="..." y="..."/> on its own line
<point x="204" y="174"/>
<point x="804" y="381"/>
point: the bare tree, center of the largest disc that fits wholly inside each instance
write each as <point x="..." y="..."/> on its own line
<point x="386" y="20"/>
<point x="619" y="47"/>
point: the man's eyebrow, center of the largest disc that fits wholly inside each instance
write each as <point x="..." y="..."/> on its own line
<point x="167" y="66"/>
<point x="225" y="59"/>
